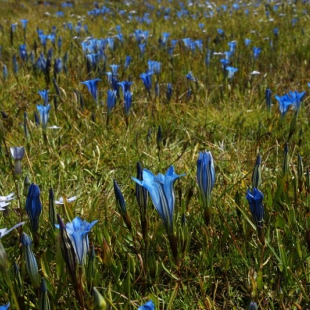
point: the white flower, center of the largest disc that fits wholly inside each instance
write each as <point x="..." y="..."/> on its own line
<point x="7" y="198"/>
<point x="53" y="127"/>
<point x="61" y="200"/>
<point x="5" y="231"/>
<point x="3" y="205"/>
<point x="255" y="72"/>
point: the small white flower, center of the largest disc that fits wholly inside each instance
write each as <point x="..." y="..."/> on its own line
<point x="3" y="205"/>
<point x="61" y="200"/>
<point x="7" y="198"/>
<point x="53" y="127"/>
<point x="5" y="231"/>
<point x="255" y="72"/>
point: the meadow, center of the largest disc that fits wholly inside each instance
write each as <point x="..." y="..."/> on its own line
<point x="154" y="154"/>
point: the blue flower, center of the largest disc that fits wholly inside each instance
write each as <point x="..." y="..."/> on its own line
<point x="232" y="46"/>
<point x="296" y="98"/>
<point x="78" y="232"/>
<point x="34" y="206"/>
<point x="154" y="66"/>
<point x="231" y="71"/>
<point x="190" y="77"/>
<point x="284" y="103"/>
<point x="127" y="62"/>
<point x="111" y="100"/>
<point x="147" y="306"/>
<point x="169" y="92"/>
<point x="147" y="79"/>
<point x="247" y="42"/>
<point x="23" y="52"/>
<point x="142" y="49"/>
<point x="127" y="101"/>
<point x="5" y="307"/>
<point x="256" y="52"/>
<point x="44" y="114"/>
<point x="92" y="87"/>
<point x="114" y="69"/>
<point x="44" y="96"/>
<point x="5" y="231"/>
<point x="57" y="65"/>
<point x="31" y="262"/>
<point x="255" y="199"/>
<point x="160" y="188"/>
<point x="24" y="23"/>
<point x="125" y="86"/>
<point x="205" y="175"/>
<point x="268" y="98"/>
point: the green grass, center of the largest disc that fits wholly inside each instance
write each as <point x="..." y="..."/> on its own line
<point x="225" y="265"/>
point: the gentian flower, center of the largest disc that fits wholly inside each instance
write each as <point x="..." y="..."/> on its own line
<point x="256" y="52"/>
<point x="111" y="99"/>
<point x="147" y="306"/>
<point x="252" y="306"/>
<point x="206" y="180"/>
<point x="142" y="49"/>
<point x="31" y="262"/>
<point x="17" y="154"/>
<point x="92" y="87"/>
<point x="78" y="232"/>
<point x="44" y="300"/>
<point x="34" y="206"/>
<point x="5" y="307"/>
<point x="23" y="52"/>
<point x="169" y="92"/>
<point x="247" y="42"/>
<point x="231" y="71"/>
<point x="125" y="86"/>
<point x="58" y="65"/>
<point x="127" y="62"/>
<point x="5" y="72"/>
<point x="114" y="69"/>
<point x="284" y="103"/>
<point x="154" y="66"/>
<point x="147" y="80"/>
<point x="127" y="101"/>
<point x="160" y="188"/>
<point x="255" y="199"/>
<point x="24" y="23"/>
<point x="296" y="98"/>
<point x="44" y="114"/>
<point x="190" y="77"/>
<point x="15" y="64"/>
<point x="268" y="98"/>
<point x="44" y="96"/>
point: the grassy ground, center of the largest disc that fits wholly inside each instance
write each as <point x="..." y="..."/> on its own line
<point x="221" y="266"/>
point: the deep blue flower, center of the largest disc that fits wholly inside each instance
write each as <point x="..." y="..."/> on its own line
<point x="169" y="92"/>
<point x="127" y="101"/>
<point x="160" y="188"/>
<point x="284" y="103"/>
<point x="24" y="23"/>
<point x="92" y="87"/>
<point x="255" y="199"/>
<point x="205" y="175"/>
<point x="125" y="86"/>
<point x="268" y="98"/>
<point x="44" y="114"/>
<point x="111" y="99"/>
<point x="190" y="77"/>
<point x="44" y="95"/>
<point x="23" y="52"/>
<point x="34" y="206"/>
<point x="5" y="307"/>
<point x="256" y="52"/>
<point x="58" y="65"/>
<point x="127" y="62"/>
<point x="147" y="79"/>
<point x="120" y="201"/>
<point x="224" y="62"/>
<point x="147" y="306"/>
<point x="78" y="232"/>
<point x="231" y="71"/>
<point x="296" y="98"/>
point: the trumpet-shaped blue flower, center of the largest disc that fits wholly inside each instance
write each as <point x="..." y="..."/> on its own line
<point x="44" y="95"/>
<point x="160" y="188"/>
<point x="255" y="199"/>
<point x="147" y="79"/>
<point x="247" y="42"/>
<point x="92" y="87"/>
<point x="125" y="86"/>
<point x="111" y="100"/>
<point x="44" y="114"/>
<point x="5" y="307"/>
<point x="296" y="98"/>
<point x="256" y="52"/>
<point x="147" y="306"/>
<point x="78" y="232"/>
<point x="127" y="62"/>
<point x="154" y="66"/>
<point x="127" y="101"/>
<point x="231" y="71"/>
<point x="24" y="23"/>
<point x="205" y="175"/>
<point x="34" y="206"/>
<point x="114" y="69"/>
